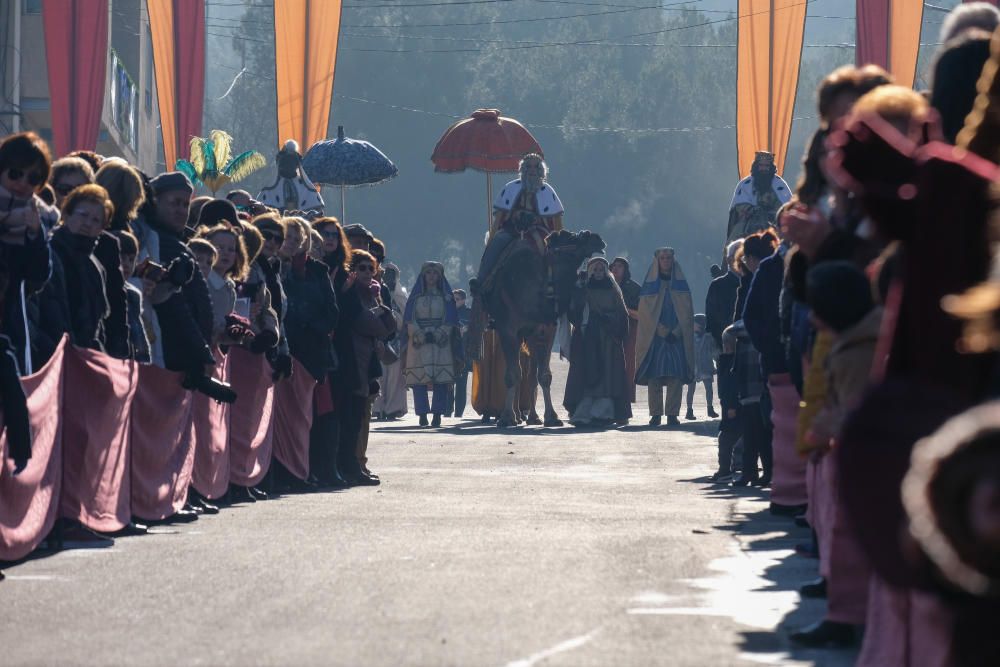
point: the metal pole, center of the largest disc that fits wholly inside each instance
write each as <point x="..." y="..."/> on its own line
<point x="489" y="201"/>
<point x="343" y="205"/>
<point x="16" y="68"/>
<point x="770" y="80"/>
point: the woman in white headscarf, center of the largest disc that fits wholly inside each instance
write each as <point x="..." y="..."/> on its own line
<point x="597" y="389"/>
<point x="431" y="326"/>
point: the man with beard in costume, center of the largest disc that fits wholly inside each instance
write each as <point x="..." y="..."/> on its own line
<point x="757" y="199"/>
<point x="526" y="208"/>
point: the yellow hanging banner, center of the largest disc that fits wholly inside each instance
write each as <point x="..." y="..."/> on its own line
<point x="306" y="33"/>
<point x="769" y="47"/>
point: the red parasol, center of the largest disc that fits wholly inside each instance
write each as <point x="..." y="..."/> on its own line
<point x="486" y="141"/>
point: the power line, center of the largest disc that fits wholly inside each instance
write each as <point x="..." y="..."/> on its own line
<point x="538" y="19"/>
<point x="561" y="126"/>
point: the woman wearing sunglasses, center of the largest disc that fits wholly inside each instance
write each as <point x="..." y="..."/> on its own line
<point x="364" y="320"/>
<point x="24" y="251"/>
<point x="273" y="229"/>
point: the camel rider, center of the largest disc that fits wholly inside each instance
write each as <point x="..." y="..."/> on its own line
<point x="526" y="208"/>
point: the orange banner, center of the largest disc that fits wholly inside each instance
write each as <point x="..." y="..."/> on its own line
<point x="905" y="21"/>
<point x="178" y="31"/>
<point x="306" y="33"/>
<point x="889" y="36"/>
<point x="769" y="47"/>
<point x="161" y="26"/>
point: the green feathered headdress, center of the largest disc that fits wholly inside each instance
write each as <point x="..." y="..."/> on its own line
<point x="208" y="153"/>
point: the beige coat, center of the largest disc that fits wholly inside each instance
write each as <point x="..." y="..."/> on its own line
<point x="429" y="358"/>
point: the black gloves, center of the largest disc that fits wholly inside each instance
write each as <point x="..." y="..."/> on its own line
<point x="281" y="364"/>
<point x="264" y="342"/>
<point x="180" y="271"/>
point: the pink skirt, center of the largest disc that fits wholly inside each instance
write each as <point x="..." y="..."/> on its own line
<point x="210" y="432"/>
<point x="96" y="431"/>
<point x="905" y="628"/>
<point x="788" y="484"/>
<point x="162" y="448"/>
<point x="842" y="561"/>
<point x="293" y="416"/>
<point x="29" y="502"/>
<point x="251" y="427"/>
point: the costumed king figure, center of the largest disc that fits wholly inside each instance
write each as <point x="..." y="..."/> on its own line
<point x="664" y="351"/>
<point x="292" y="191"/>
<point x="526" y="208"/>
<point x="757" y="199"/>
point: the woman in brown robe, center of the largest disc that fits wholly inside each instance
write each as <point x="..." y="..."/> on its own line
<point x="630" y="291"/>
<point x="597" y="387"/>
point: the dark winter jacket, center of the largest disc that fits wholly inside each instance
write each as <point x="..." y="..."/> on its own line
<point x="116" y="328"/>
<point x="271" y="267"/>
<point x="311" y="316"/>
<point x="720" y="305"/>
<point x="79" y="278"/>
<point x="136" y="329"/>
<point x="362" y="323"/>
<point x="30" y="264"/>
<point x="186" y="317"/>
<point x="761" y="314"/>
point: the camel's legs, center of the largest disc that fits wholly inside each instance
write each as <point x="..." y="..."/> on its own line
<point x="541" y="352"/>
<point x="510" y="345"/>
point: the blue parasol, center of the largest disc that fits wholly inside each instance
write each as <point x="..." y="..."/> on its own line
<point x="347" y="163"/>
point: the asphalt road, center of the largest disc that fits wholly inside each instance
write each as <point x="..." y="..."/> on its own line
<point x="521" y="548"/>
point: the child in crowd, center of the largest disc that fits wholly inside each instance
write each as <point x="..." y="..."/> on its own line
<point x="730" y="430"/>
<point x="129" y="245"/>
<point x="704" y="371"/>
<point x="205" y="254"/>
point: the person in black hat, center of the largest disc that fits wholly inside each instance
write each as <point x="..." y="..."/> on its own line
<point x="185" y="318"/>
<point x="359" y="237"/>
<point x="218" y="211"/>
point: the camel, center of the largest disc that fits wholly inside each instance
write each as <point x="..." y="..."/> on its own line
<point x="525" y="309"/>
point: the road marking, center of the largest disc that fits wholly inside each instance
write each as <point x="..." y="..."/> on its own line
<point x="561" y="647"/>
<point x="34" y="577"/>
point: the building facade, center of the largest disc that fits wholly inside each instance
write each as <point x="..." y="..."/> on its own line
<point x="129" y="118"/>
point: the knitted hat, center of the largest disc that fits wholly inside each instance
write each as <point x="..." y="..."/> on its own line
<point x="171" y="181"/>
<point x="839" y="294"/>
<point x="216" y="211"/>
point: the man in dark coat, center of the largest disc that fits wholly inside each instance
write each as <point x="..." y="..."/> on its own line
<point x="761" y="315"/>
<point x="720" y="302"/>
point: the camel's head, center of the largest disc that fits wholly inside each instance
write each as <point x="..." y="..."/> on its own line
<point x="567" y="251"/>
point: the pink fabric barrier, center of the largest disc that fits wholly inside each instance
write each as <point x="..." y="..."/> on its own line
<point x="842" y="561"/>
<point x="96" y="419"/>
<point x="905" y="628"/>
<point x="162" y="448"/>
<point x="29" y="502"/>
<point x="210" y="433"/>
<point x="293" y="415"/>
<point x="251" y="427"/>
<point x="788" y="484"/>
